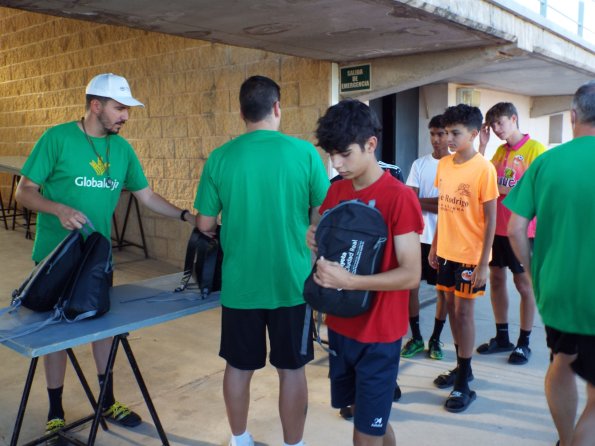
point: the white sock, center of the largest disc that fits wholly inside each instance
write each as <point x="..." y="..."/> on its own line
<point x="299" y="443"/>
<point x="241" y="440"/>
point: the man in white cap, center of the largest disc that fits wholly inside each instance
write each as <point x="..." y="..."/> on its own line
<point x="75" y="174"/>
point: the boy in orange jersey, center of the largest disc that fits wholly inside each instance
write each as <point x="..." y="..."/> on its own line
<point x="460" y="252"/>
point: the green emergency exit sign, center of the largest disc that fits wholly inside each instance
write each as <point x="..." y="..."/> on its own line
<point x="356" y="78"/>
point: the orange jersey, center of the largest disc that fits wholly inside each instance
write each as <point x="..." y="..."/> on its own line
<point x="463" y="189"/>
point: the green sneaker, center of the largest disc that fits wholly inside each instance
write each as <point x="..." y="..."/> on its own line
<point x="412" y="348"/>
<point x="435" y="349"/>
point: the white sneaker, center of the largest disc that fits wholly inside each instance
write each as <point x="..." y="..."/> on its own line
<point x="249" y="441"/>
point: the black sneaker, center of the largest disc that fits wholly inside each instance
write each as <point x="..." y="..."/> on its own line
<point x="397" y="394"/>
<point x="122" y="415"/>
<point x="346" y="413"/>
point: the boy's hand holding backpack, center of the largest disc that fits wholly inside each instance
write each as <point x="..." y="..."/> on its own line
<point x="351" y="236"/>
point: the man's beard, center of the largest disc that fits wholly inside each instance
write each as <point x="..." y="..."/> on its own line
<point x="110" y="131"/>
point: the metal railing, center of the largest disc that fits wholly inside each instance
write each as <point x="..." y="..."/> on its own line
<point x="575" y="16"/>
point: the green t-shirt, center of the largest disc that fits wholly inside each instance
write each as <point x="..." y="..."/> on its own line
<point x="264" y="184"/>
<point x="64" y="165"/>
<point x="558" y="189"/>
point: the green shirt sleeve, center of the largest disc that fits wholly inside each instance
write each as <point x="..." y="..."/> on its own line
<point x="41" y="161"/>
<point x="207" y="200"/>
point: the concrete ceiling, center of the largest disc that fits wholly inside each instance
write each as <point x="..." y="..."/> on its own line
<point x="334" y="30"/>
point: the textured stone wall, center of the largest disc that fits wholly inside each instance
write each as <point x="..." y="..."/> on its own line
<point x="189" y="88"/>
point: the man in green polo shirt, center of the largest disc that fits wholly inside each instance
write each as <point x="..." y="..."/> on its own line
<point x="75" y="174"/>
<point x="267" y="187"/>
<point x="558" y="190"/>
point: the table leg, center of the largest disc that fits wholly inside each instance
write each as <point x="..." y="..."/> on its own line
<point x="143" y="389"/>
<point x="85" y="384"/>
<point x="108" y="369"/>
<point x="21" y="413"/>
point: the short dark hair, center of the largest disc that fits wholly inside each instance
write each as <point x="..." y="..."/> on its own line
<point x="90" y="97"/>
<point x="258" y="94"/>
<point x="468" y="116"/>
<point x="501" y="109"/>
<point x="348" y="122"/>
<point x="436" y="122"/>
<point x="583" y="103"/>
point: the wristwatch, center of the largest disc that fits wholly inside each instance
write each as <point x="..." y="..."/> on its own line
<point x="183" y="214"/>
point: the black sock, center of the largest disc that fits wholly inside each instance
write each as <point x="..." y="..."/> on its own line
<point x="414" y="323"/>
<point x="524" y="338"/>
<point x="56" y="410"/>
<point x="457" y="350"/>
<point x="109" y="399"/>
<point x="438" y="326"/>
<point x="462" y="378"/>
<point x="502" y="334"/>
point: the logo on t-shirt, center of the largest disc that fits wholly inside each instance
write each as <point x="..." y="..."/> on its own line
<point x="458" y="202"/>
<point x="99" y="166"/>
<point x="102" y="183"/>
<point x="464" y="189"/>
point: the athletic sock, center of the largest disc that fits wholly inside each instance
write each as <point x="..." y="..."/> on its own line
<point x="241" y="440"/>
<point x="438" y="326"/>
<point x="55" y="397"/>
<point x="524" y="338"/>
<point x="462" y="379"/>
<point x="299" y="443"/>
<point x="414" y="323"/>
<point x="109" y="399"/>
<point x="502" y="334"/>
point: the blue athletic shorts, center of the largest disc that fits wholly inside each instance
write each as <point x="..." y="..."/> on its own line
<point x="243" y="337"/>
<point x="364" y="374"/>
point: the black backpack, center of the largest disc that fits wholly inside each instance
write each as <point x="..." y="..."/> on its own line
<point x="87" y="293"/>
<point x="354" y="234"/>
<point x="44" y="286"/>
<point x="204" y="258"/>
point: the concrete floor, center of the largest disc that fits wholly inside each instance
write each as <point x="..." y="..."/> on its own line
<point x="184" y="374"/>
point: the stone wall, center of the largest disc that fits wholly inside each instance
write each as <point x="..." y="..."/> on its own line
<point x="189" y="88"/>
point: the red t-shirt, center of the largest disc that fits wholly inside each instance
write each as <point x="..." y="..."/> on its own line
<point x="388" y="318"/>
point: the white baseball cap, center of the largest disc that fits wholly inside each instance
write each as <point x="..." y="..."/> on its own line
<point x="112" y="86"/>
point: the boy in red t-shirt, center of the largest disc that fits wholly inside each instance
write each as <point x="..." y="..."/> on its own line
<point x="368" y="345"/>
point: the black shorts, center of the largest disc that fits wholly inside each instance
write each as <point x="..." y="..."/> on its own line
<point x="428" y="273"/>
<point x="243" y="337"/>
<point x="503" y="255"/>
<point x="455" y="277"/>
<point x="574" y="344"/>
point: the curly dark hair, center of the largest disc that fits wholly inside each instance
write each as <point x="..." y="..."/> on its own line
<point x="468" y="116"/>
<point x="348" y="122"/>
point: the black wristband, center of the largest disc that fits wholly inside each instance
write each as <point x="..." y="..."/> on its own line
<point x="183" y="214"/>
